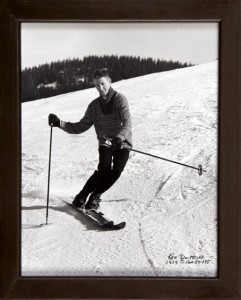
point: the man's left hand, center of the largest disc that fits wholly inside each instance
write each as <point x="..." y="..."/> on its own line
<point x="116" y="143"/>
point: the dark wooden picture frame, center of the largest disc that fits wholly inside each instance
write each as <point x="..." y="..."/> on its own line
<point x="227" y="284"/>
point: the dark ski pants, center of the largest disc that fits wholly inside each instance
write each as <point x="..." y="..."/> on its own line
<point x="111" y="164"/>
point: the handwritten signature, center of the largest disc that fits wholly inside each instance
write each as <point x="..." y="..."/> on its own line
<point x="174" y="259"/>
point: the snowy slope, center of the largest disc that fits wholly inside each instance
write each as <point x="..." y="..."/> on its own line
<point x="169" y="209"/>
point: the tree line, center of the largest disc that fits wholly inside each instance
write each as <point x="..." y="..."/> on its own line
<point x="76" y="74"/>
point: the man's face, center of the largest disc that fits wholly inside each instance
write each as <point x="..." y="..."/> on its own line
<point x="103" y="85"/>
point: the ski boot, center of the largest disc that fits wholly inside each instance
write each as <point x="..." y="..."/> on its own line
<point x="94" y="202"/>
<point x="79" y="201"/>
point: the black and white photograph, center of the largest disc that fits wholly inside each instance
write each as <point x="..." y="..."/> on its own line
<point x="119" y="148"/>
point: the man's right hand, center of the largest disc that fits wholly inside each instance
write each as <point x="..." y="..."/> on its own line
<point x="54" y="120"/>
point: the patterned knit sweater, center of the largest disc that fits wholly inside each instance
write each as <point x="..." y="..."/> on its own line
<point x="111" y="118"/>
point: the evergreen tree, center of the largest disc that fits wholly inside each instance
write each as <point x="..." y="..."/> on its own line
<point x="76" y="74"/>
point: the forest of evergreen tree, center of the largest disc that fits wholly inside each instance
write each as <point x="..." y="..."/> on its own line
<point x="76" y="74"/>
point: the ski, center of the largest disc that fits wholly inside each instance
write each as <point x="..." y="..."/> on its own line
<point x="99" y="218"/>
<point x="98" y="215"/>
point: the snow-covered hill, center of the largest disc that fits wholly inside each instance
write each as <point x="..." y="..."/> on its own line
<point x="170" y="210"/>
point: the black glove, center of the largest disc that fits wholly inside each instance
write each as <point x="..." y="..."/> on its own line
<point x="54" y="120"/>
<point x="116" y="143"/>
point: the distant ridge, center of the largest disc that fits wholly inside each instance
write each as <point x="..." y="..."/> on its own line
<point x="75" y="74"/>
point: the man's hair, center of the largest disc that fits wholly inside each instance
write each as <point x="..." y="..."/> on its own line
<point x="100" y="73"/>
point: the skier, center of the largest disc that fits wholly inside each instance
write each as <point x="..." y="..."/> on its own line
<point x="110" y="115"/>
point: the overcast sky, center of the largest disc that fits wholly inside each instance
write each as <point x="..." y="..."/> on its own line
<point x="186" y="42"/>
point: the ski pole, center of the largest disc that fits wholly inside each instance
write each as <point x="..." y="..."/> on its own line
<point x="199" y="169"/>
<point x="50" y="150"/>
